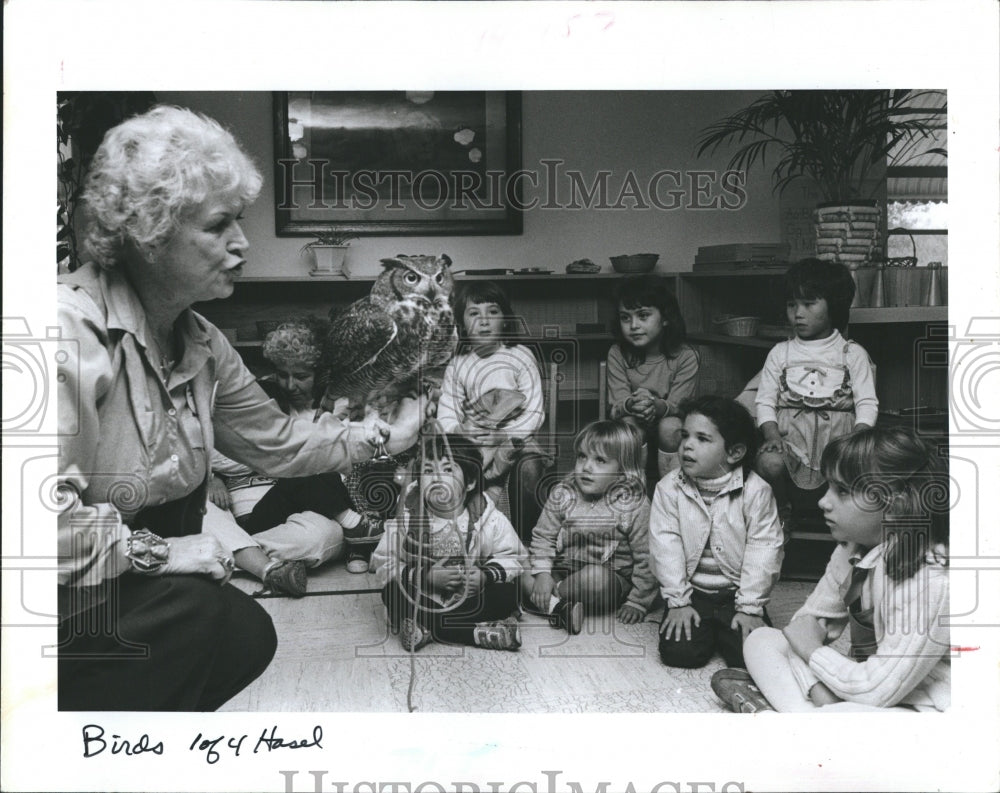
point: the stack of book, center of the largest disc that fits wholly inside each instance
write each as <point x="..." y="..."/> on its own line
<point x="742" y="255"/>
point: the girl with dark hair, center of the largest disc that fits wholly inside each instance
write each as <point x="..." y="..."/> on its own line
<point x="887" y="505"/>
<point x="714" y="538"/>
<point x="448" y="568"/>
<point x="816" y="386"/>
<point x="650" y="367"/>
<point x="492" y="393"/>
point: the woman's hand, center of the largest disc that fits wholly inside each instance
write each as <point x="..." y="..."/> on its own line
<point x="680" y="622"/>
<point x="746" y="624"/>
<point x="805" y="635"/>
<point x="218" y="493"/>
<point x="405" y="428"/>
<point x="541" y="591"/>
<point x="198" y="554"/>
<point x="629" y="614"/>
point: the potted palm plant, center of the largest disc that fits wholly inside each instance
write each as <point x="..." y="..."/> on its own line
<point x="326" y="254"/>
<point x="839" y="139"/>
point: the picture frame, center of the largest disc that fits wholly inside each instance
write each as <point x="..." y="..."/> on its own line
<point x="392" y="163"/>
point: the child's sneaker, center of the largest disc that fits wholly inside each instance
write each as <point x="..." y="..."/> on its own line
<point x="412" y="636"/>
<point x="357" y="561"/>
<point x="502" y="635"/>
<point x="567" y="615"/>
<point x="286" y="578"/>
<point x="361" y="541"/>
<point x="735" y="687"/>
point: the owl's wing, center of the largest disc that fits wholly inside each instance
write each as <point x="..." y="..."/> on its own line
<point x="356" y="337"/>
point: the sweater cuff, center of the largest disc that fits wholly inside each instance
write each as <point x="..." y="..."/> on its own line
<point x="825" y="662"/>
<point x="766" y="414"/>
<point x="541" y="566"/>
<point x="410" y="575"/>
<point x="750" y="609"/>
<point x="494" y="572"/>
<point x="641" y="607"/>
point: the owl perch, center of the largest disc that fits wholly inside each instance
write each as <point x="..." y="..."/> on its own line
<point x="394" y="342"/>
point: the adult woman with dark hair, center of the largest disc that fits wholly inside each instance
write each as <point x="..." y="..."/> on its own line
<point x="148" y="388"/>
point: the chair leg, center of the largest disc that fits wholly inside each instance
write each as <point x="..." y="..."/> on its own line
<point x="602" y="390"/>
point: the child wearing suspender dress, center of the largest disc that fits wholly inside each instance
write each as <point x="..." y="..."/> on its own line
<point x="816" y="386"/>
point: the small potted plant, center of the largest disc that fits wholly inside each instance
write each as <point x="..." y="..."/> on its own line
<point x="326" y="254"/>
<point x="839" y="139"/>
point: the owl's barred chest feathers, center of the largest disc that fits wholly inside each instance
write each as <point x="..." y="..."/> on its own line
<point x="388" y="340"/>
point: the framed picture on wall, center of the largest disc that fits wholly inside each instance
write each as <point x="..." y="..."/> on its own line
<point x="397" y="162"/>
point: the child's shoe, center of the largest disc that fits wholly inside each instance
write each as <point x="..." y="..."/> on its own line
<point x="361" y="541"/>
<point x="567" y="615"/>
<point x="502" y="635"/>
<point x="412" y="636"/>
<point x="736" y="688"/>
<point x="358" y="561"/>
<point x="285" y="578"/>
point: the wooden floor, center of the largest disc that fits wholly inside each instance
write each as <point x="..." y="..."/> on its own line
<point x="335" y="655"/>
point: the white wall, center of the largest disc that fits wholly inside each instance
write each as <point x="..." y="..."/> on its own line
<point x="614" y="130"/>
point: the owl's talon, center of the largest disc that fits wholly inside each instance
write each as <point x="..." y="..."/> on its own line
<point x="381" y="453"/>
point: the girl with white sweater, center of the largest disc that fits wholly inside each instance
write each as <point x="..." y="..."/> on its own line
<point x="887" y="505"/>
<point x="492" y="393"/>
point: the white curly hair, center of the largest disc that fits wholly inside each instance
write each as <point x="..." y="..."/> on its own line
<point x="151" y="170"/>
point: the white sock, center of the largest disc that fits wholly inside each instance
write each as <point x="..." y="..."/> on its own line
<point x="348" y="519"/>
<point x="553" y="602"/>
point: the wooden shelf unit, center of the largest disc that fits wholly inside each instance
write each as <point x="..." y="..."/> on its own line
<point x="896" y="338"/>
<point x="551" y="305"/>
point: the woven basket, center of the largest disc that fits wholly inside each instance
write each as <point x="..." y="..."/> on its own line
<point x="635" y="263"/>
<point x="738" y="326"/>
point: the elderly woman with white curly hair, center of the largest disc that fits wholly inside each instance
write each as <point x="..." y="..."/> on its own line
<point x="147" y="618"/>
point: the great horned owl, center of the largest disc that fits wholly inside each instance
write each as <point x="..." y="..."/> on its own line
<point x="396" y="340"/>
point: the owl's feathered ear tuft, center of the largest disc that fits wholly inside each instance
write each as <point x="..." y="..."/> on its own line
<point x="446" y="259"/>
<point x="393" y="262"/>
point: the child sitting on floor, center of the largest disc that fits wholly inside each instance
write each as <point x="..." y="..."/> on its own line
<point x="887" y="506"/>
<point x="492" y="393"/>
<point x="449" y="572"/>
<point x="589" y="549"/>
<point x="294" y="522"/>
<point x="650" y="367"/>
<point x="714" y="537"/>
<point x="816" y="386"/>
